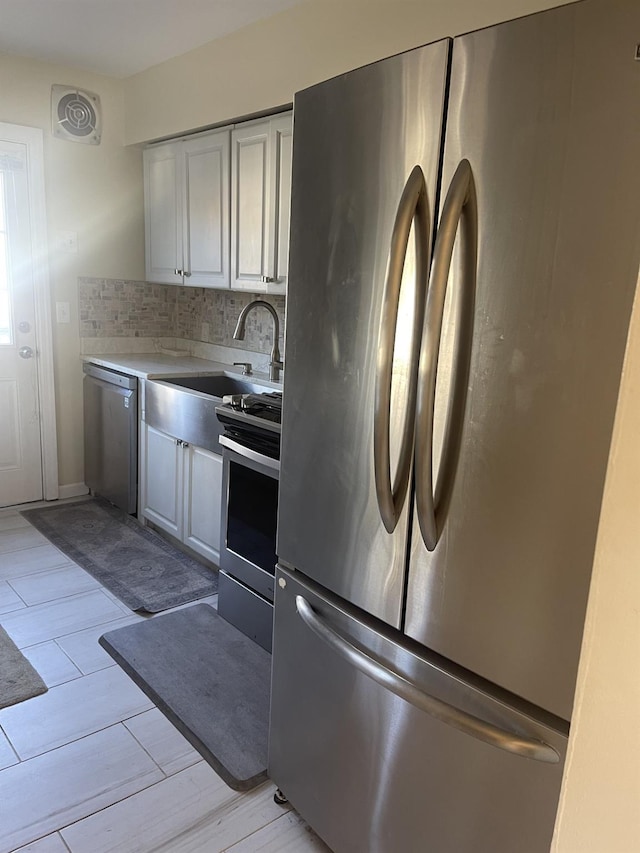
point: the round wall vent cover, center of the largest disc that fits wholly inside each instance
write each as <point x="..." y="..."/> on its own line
<point x="75" y="115"/>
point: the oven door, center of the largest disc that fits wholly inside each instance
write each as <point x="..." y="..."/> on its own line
<point x="248" y="539"/>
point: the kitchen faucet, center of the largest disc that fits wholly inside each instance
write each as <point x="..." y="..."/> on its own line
<point x="275" y="364"/>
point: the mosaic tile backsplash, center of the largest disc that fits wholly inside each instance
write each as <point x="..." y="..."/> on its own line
<point x="125" y="309"/>
<point x="138" y="309"/>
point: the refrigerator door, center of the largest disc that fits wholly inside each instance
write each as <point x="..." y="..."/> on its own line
<point x="371" y="770"/>
<point x="358" y="140"/>
<point x="545" y="109"/>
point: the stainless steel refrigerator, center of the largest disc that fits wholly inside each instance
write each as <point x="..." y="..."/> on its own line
<point x="464" y="252"/>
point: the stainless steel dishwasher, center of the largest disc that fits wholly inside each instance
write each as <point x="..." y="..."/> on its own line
<point x="111" y="435"/>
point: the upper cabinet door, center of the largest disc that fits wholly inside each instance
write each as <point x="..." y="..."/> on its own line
<point x="186" y="190"/>
<point x="217" y="208"/>
<point x="163" y="213"/>
<point x="250" y="198"/>
<point x="260" y="197"/>
<point x="206" y="205"/>
<point x="281" y="138"/>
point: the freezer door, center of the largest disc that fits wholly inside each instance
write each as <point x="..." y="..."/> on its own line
<point x="371" y="770"/>
<point x="366" y="157"/>
<point x="545" y="109"/>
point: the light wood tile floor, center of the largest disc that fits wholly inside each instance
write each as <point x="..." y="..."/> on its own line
<point x="92" y="766"/>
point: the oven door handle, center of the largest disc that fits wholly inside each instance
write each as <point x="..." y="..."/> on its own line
<point x="250" y="454"/>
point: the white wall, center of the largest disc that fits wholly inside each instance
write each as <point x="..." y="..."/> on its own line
<point x="95" y="191"/>
<point x="600" y="803"/>
<point x="261" y="66"/>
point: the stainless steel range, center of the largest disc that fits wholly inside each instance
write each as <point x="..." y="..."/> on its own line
<point x="251" y="468"/>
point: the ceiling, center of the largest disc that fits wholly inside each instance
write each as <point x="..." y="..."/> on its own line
<point x="122" y="37"/>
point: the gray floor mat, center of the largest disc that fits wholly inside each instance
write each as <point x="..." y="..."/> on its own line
<point x="209" y="680"/>
<point x="136" y="564"/>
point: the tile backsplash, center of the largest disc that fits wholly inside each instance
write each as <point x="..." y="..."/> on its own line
<point x="125" y="309"/>
<point x="211" y="316"/>
<point x="138" y="309"/>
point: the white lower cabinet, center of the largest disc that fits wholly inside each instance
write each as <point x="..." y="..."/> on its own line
<point x="182" y="491"/>
<point x="163" y="481"/>
<point x="202" y="492"/>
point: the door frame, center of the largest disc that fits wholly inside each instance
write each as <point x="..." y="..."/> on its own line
<point x="32" y="137"/>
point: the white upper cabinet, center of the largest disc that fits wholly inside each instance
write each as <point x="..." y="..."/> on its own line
<point x="282" y="142"/>
<point x="206" y="225"/>
<point x="260" y="201"/>
<point x="162" y="213"/>
<point x="186" y="186"/>
<point x="249" y="204"/>
<point x="217" y="207"/>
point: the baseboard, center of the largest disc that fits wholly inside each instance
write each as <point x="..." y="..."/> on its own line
<point x="72" y="490"/>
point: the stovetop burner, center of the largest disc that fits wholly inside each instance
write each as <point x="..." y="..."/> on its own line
<point x="267" y="405"/>
<point x="253" y="420"/>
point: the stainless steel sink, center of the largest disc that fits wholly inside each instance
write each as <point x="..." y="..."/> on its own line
<point x="216" y="386"/>
<point x="184" y="406"/>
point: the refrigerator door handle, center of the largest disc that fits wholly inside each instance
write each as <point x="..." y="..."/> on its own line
<point x="527" y="747"/>
<point x="412" y="208"/>
<point x="460" y="207"/>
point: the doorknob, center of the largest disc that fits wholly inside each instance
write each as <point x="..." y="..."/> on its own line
<point x="25" y="352"/>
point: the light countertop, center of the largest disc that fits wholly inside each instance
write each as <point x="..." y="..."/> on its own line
<point x="155" y="365"/>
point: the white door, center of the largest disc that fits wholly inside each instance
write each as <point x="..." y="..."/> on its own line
<point x="20" y="447"/>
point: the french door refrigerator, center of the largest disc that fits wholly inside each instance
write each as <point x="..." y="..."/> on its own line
<point x="464" y="253"/>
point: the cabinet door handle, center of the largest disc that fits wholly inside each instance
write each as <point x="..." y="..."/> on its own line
<point x="266" y="279"/>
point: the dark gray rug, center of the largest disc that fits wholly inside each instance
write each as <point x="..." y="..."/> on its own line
<point x="18" y="679"/>
<point x="209" y="680"/>
<point x="143" y="570"/>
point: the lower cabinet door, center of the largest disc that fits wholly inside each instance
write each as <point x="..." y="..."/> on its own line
<point x="202" y="496"/>
<point x="163" y="481"/>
